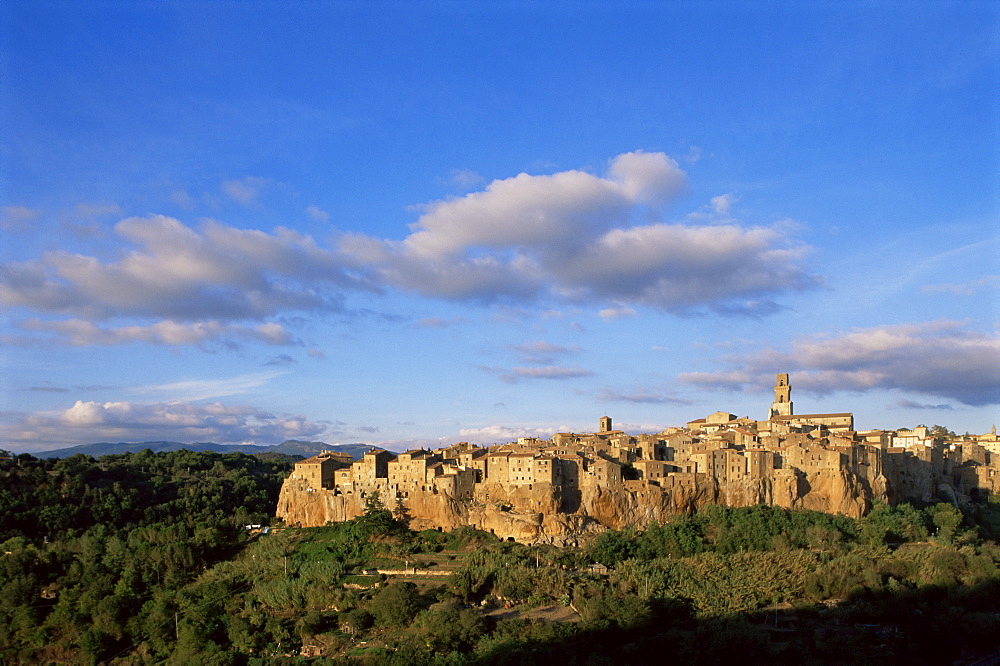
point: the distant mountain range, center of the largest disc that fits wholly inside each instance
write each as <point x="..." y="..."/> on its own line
<point x="291" y="447"/>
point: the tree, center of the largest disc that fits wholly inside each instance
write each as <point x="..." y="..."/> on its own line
<point x="377" y="519"/>
<point x="612" y="547"/>
<point x="947" y="519"/>
<point x="396" y="605"/>
<point x="941" y="432"/>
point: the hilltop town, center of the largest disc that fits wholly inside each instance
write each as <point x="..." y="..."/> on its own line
<point x="574" y="485"/>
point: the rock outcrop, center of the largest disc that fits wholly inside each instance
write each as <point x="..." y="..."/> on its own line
<point x="539" y="515"/>
<point x="568" y="488"/>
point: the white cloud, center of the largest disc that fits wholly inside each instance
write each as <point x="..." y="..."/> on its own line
<point x="501" y="434"/>
<point x="317" y="213"/>
<point x="217" y="272"/>
<point x="79" y="332"/>
<point x="244" y="191"/>
<point x="182" y="199"/>
<point x="571" y="235"/>
<point x="529" y="210"/>
<point x="942" y="359"/>
<point x="608" y="314"/>
<point x="679" y="267"/>
<point x="86" y="422"/>
<point x="18" y="218"/>
<point x="722" y="203"/>
<point x="464" y="178"/>
<point x="647" y="178"/>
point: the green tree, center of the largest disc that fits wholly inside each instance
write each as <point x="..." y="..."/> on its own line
<point x="612" y="547"/>
<point x="395" y="605"/>
<point x="946" y="519"/>
<point x="376" y="519"/>
<point x="941" y="432"/>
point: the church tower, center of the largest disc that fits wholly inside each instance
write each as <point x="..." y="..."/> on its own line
<point x="605" y="424"/>
<point x="782" y="405"/>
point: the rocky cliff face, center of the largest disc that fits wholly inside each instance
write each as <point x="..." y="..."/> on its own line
<point x="551" y="514"/>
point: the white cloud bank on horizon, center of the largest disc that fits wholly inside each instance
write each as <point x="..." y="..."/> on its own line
<point x="87" y="422"/>
<point x="942" y="359"/>
<point x="570" y="236"/>
<point x="501" y="434"/>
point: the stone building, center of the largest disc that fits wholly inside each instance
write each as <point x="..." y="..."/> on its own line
<point x="579" y="483"/>
<point x="319" y="470"/>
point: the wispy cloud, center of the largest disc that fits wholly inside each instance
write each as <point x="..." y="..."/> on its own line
<point x="439" y="322"/>
<point x="641" y="396"/>
<point x="912" y="404"/>
<point x="608" y="314"/>
<point x="209" y="389"/>
<point x="540" y="352"/>
<point x="82" y="333"/>
<point x="317" y="213"/>
<point x="89" y="210"/>
<point x="942" y="358"/>
<point x="722" y="203"/>
<point x="18" y="218"/>
<point x="464" y="178"/>
<point x="987" y="282"/>
<point x="545" y="372"/>
<point x="244" y="191"/>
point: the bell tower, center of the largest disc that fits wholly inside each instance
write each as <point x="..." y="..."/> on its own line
<point x="782" y="405"/>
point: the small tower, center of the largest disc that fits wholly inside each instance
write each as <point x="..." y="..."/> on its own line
<point x="605" y="424"/>
<point x="782" y="405"/>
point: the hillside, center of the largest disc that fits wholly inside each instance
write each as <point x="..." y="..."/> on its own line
<point x="291" y="447"/>
<point x="146" y="558"/>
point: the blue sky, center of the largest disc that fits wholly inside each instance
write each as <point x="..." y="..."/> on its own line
<point x="426" y="222"/>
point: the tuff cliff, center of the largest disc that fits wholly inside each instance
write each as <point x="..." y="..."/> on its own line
<point x="575" y="485"/>
<point x="547" y="513"/>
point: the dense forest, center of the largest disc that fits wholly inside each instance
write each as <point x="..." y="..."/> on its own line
<point x="95" y="555"/>
<point x="146" y="558"/>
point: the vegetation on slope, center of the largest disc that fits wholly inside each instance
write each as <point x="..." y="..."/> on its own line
<point x="96" y="553"/>
<point x="156" y="566"/>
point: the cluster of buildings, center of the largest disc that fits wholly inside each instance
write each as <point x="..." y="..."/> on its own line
<point x="917" y="464"/>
